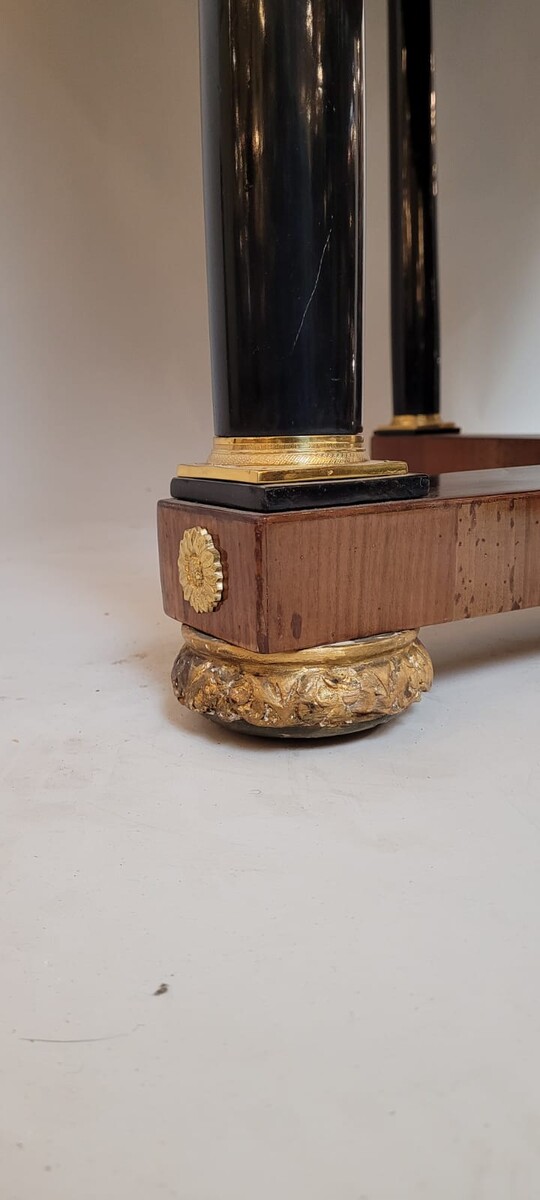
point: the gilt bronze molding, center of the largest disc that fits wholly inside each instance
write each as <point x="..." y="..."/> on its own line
<point x="290" y="459"/>
<point x="418" y="423"/>
<point x="200" y="570"/>
<point x="321" y="692"/>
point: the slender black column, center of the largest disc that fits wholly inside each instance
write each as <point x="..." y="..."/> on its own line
<point x="282" y="108"/>
<point x="413" y="210"/>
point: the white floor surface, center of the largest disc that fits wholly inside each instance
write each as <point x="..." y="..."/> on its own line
<point x="349" y="931"/>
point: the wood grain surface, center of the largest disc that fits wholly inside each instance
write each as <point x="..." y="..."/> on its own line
<point x="438" y="453"/>
<point x="294" y="580"/>
<point x="239" y="539"/>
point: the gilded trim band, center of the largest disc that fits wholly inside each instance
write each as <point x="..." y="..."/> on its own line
<point x="418" y="422"/>
<point x="323" y="691"/>
<point x="289" y="459"/>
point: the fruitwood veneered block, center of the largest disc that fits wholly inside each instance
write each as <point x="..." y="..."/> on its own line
<point x="437" y="455"/>
<point x="297" y="637"/>
<point x="303" y="579"/>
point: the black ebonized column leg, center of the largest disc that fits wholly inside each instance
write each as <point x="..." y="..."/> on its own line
<point x="282" y="104"/>
<point x="413" y="220"/>
<point x="282" y="84"/>
<point x="283" y="133"/>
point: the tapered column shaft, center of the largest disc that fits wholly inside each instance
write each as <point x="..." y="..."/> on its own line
<point x="282" y="111"/>
<point x="413" y="210"/>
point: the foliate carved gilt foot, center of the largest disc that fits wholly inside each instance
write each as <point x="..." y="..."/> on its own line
<point x="321" y="692"/>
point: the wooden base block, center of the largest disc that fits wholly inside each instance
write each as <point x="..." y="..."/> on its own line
<point x="270" y="599"/>
<point x="439" y="453"/>
<point x="313" y="578"/>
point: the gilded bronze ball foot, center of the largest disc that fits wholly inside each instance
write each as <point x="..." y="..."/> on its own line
<point x="325" y="691"/>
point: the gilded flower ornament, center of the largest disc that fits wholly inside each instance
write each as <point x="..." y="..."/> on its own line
<point x="200" y="571"/>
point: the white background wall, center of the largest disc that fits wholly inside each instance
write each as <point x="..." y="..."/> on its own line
<point x="104" y="371"/>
